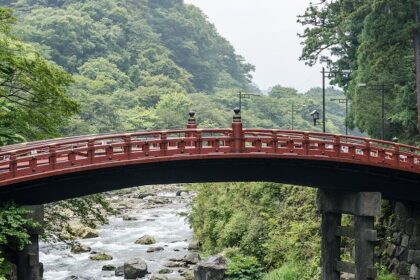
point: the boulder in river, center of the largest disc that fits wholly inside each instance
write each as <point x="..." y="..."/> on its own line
<point x="128" y="218"/>
<point x="100" y="257"/>
<point x="154" y="249"/>
<point x="80" y="231"/>
<point x="192" y="258"/>
<point x="135" y="269"/>
<point x="119" y="271"/>
<point x="108" y="267"/>
<point x="194" y="246"/>
<point x="146" y="240"/>
<point x="158" y="277"/>
<point x="213" y="268"/>
<point x="78" y="248"/>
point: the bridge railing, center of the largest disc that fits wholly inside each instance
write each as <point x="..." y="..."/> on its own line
<point x="85" y="152"/>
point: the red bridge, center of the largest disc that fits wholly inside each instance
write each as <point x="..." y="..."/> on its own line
<point x="46" y="171"/>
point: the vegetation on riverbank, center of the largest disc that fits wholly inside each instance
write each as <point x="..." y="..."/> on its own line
<point x="274" y="224"/>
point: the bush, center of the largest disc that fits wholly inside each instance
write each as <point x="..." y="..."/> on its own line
<point x="243" y="268"/>
<point x="288" y="271"/>
<point x="13" y="233"/>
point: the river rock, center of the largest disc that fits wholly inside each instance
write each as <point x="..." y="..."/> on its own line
<point x="146" y="240"/>
<point x="154" y="249"/>
<point x="78" y="248"/>
<point x="82" y="232"/>
<point x="128" y="218"/>
<point x="119" y="271"/>
<point x="135" y="269"/>
<point x="100" y="257"/>
<point x="194" y="246"/>
<point x="213" y="268"/>
<point x="165" y="271"/>
<point x="108" y="267"/>
<point x="192" y="258"/>
<point x="144" y="195"/>
<point x="158" y="277"/>
<point x="158" y="200"/>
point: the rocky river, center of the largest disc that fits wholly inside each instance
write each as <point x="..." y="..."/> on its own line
<point x="152" y="212"/>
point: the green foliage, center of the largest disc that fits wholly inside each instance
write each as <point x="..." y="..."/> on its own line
<point x="14" y="225"/>
<point x="33" y="100"/>
<point x="384" y="274"/>
<point x="276" y="224"/>
<point x="289" y="271"/>
<point x="373" y="39"/>
<point x="243" y="268"/>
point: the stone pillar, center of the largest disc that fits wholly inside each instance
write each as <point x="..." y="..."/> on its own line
<point x="364" y="206"/>
<point x="27" y="260"/>
<point x="331" y="244"/>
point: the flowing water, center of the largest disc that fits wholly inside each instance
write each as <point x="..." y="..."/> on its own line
<point x="117" y="238"/>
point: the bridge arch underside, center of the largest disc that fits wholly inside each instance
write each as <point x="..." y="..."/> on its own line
<point x="393" y="184"/>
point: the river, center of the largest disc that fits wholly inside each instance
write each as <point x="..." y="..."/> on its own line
<point x="166" y="222"/>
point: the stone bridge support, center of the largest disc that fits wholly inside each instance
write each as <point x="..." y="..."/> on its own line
<point x="365" y="207"/>
<point x="27" y="260"/>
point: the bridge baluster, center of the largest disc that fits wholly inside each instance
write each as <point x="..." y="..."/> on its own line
<point x="145" y="148"/>
<point x="109" y="151"/>
<point x="367" y="150"/>
<point x="198" y="142"/>
<point x="127" y="146"/>
<point x="91" y="150"/>
<point x="13" y="164"/>
<point x="396" y="154"/>
<point x="71" y="157"/>
<point x="181" y="146"/>
<point x="163" y="144"/>
<point x="275" y="143"/>
<point x="53" y="156"/>
<point x="33" y="163"/>
<point x="337" y="145"/>
<point x="306" y="143"/>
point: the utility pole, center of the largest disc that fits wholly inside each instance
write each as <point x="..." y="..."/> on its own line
<point x="323" y="100"/>
<point x="345" y="101"/>
<point x="417" y="55"/>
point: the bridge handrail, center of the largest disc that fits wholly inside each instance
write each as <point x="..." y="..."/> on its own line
<point x="65" y="153"/>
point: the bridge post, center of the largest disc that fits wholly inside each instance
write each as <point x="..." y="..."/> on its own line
<point x="27" y="260"/>
<point x="365" y="207"/>
<point x="238" y="144"/>
<point x="191" y="121"/>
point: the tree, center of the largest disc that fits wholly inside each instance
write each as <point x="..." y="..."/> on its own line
<point x="32" y="90"/>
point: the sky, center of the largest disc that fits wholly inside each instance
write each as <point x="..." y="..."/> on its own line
<point x="265" y="33"/>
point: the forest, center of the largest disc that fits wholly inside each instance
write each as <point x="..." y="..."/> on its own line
<point x="72" y="67"/>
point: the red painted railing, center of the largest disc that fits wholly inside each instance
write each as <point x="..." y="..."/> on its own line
<point x="25" y="162"/>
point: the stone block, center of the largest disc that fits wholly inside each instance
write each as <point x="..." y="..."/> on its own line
<point x="396" y="238"/>
<point x="401" y="210"/>
<point x="399" y="252"/>
<point x="416" y="257"/>
<point x="390" y="251"/>
<point x="359" y="204"/>
<point x="404" y="268"/>
<point x="394" y="265"/>
<point x="414" y="243"/>
<point x="405" y="241"/>
<point x="414" y="272"/>
<point x="410" y="256"/>
<point x="410" y="226"/>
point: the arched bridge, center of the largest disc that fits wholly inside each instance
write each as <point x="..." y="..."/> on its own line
<point x="46" y="171"/>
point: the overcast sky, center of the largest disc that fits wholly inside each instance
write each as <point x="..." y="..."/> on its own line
<point x="264" y="32"/>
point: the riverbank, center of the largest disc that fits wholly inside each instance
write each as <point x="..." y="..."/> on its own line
<point x="158" y="211"/>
